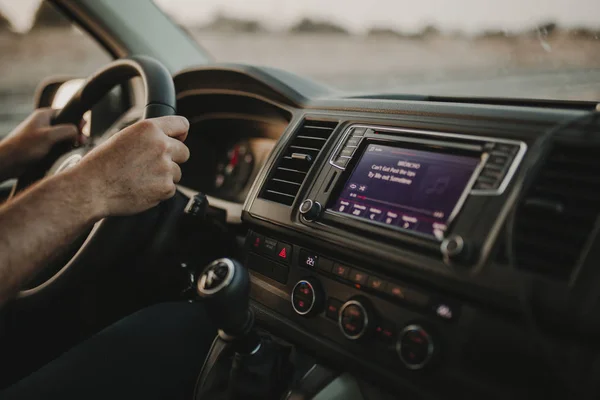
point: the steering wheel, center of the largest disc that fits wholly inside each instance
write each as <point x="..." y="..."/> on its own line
<point x="107" y="236"/>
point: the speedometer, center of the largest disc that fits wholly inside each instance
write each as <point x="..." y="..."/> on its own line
<point x="234" y="168"/>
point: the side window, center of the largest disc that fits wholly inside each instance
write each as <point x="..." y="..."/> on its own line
<point x="37" y="43"/>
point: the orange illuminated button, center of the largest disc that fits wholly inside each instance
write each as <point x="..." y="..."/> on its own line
<point x="341" y="270"/>
<point x="395" y="290"/>
<point x="358" y="276"/>
<point x="376" y="283"/>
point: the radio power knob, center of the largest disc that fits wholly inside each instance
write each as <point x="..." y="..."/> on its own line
<point x="310" y="210"/>
<point x="454" y="249"/>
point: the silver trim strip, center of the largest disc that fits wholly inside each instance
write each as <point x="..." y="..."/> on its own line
<point x="476" y="192"/>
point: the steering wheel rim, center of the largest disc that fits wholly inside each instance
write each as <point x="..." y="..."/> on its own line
<point x="160" y="100"/>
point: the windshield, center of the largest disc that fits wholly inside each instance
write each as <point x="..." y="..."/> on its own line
<point x="499" y="48"/>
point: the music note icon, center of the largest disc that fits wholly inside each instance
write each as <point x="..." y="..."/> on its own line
<point x="439" y="186"/>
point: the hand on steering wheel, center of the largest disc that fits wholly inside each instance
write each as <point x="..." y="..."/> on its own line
<point x="138" y="167"/>
<point x="133" y="170"/>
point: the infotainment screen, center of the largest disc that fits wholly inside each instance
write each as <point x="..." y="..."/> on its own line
<point x="408" y="189"/>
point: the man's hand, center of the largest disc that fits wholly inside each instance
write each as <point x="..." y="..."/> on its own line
<point x="31" y="141"/>
<point x="130" y="172"/>
<point x="138" y="167"/>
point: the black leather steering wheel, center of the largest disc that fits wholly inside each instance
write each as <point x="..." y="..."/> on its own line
<point x="108" y="235"/>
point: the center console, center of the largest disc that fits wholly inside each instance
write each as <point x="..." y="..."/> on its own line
<point x="372" y="240"/>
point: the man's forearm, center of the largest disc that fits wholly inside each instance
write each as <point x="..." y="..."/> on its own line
<point x="37" y="224"/>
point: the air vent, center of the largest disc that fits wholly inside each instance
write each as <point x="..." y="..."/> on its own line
<point x="292" y="168"/>
<point x="558" y="213"/>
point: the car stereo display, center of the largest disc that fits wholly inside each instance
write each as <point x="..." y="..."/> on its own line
<point x="413" y="190"/>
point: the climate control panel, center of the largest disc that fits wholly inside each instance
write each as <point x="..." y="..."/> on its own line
<point x="385" y="318"/>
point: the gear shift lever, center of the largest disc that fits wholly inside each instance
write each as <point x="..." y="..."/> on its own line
<point x="224" y="285"/>
<point x="240" y="364"/>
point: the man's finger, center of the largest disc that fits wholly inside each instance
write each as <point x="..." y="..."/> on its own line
<point x="176" y="172"/>
<point x="179" y="151"/>
<point x="174" y="126"/>
<point x="44" y="115"/>
<point x="59" y="133"/>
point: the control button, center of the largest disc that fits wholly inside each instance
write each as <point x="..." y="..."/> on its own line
<point x="415" y="347"/>
<point x="342" y="161"/>
<point x="374" y="214"/>
<point x="269" y="246"/>
<point x="390" y="218"/>
<point x="500" y="160"/>
<point x="332" y="309"/>
<point x="446" y="310"/>
<point x="505" y="148"/>
<point x="355" y="317"/>
<point x="256" y="241"/>
<point x="489" y="146"/>
<point x="486" y="179"/>
<point x="376" y="283"/>
<point x="490" y="171"/>
<point x="359" y="132"/>
<point x="340" y="270"/>
<point x="394" y="290"/>
<point x="310" y="210"/>
<point x="307" y="297"/>
<point x="306" y="206"/>
<point x="358" y="276"/>
<point x="386" y="331"/>
<point x="325" y="265"/>
<point x="485" y="185"/>
<point x="353" y="141"/>
<point x="308" y="259"/>
<point x="358" y="210"/>
<point x="284" y="252"/>
<point x="280" y="273"/>
<point x="347" y="151"/>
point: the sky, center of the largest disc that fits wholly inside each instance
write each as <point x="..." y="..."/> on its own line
<point x="406" y="15"/>
<point x="469" y="16"/>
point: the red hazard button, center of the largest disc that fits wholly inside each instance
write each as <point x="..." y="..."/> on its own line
<point x="284" y="252"/>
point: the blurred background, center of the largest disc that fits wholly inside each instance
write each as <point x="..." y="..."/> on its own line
<point x="498" y="48"/>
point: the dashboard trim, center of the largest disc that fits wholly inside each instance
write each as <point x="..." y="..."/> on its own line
<point x="210" y="92"/>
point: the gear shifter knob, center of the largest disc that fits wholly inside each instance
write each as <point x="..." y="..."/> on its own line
<point x="224" y="285"/>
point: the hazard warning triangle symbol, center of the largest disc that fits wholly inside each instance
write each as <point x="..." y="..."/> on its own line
<point x="283" y="253"/>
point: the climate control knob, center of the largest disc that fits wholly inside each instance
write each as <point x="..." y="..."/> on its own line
<point x="308" y="297"/>
<point x="355" y="318"/>
<point x="415" y="347"/>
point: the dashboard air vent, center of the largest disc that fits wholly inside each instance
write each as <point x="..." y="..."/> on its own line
<point x="293" y="166"/>
<point x="558" y="213"/>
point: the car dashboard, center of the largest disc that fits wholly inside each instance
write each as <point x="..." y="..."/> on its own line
<point x="390" y="237"/>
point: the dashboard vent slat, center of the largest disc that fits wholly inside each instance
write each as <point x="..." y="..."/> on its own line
<point x="290" y="171"/>
<point x="559" y="211"/>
